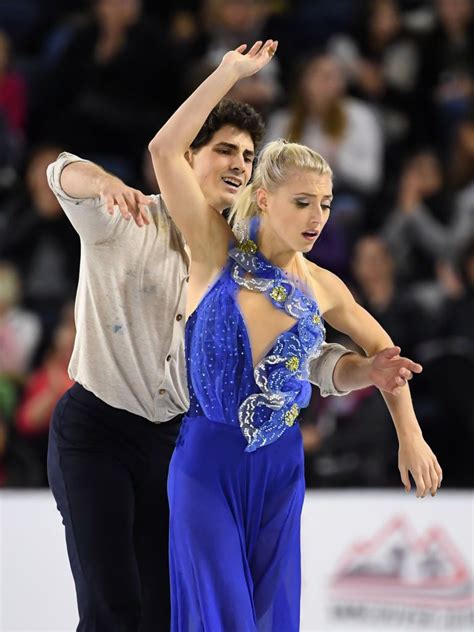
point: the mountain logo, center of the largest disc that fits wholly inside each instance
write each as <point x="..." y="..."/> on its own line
<point x="397" y="578"/>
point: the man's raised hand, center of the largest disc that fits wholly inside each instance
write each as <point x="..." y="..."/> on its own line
<point x="130" y="202"/>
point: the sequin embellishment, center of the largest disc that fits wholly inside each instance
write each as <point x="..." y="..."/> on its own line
<point x="292" y="363"/>
<point x="291" y="415"/>
<point x="279" y="294"/>
<point x="282" y="376"/>
<point x="248" y="246"/>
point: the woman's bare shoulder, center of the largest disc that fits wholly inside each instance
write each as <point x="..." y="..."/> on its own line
<point x="321" y="276"/>
<point x="326" y="286"/>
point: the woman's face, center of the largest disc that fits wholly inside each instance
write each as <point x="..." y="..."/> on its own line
<point x="322" y="82"/>
<point x="295" y="214"/>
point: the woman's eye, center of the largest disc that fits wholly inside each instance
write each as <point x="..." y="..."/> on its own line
<point x="301" y="203"/>
<point x="326" y="207"/>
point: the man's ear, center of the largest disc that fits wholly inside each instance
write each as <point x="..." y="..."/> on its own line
<point x="189" y="155"/>
<point x="261" y="196"/>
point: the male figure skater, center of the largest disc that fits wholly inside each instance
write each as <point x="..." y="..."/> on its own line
<point x="113" y="433"/>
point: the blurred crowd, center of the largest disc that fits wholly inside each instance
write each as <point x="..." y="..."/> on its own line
<point x="384" y="89"/>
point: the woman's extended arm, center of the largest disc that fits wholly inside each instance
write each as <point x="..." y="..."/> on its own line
<point x="415" y="456"/>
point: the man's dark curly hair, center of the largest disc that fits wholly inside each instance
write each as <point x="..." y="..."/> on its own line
<point x="239" y="115"/>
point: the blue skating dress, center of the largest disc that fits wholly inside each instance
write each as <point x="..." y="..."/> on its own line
<point x="236" y="482"/>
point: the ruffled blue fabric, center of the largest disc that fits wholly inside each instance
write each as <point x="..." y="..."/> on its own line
<point x="224" y="385"/>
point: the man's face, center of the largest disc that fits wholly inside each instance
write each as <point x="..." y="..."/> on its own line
<point x="223" y="166"/>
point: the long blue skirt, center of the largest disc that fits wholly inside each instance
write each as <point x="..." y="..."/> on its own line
<point x="235" y="531"/>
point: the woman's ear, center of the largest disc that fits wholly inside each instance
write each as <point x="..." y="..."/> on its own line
<point x="261" y="196"/>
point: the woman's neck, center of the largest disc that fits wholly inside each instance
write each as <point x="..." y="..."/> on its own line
<point x="275" y="250"/>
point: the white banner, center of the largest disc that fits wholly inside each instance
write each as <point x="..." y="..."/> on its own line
<point x="387" y="561"/>
<point x="381" y="562"/>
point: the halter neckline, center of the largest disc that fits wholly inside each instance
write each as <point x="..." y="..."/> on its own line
<point x="282" y="375"/>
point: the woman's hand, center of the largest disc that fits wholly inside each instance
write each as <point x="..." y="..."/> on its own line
<point x="416" y="457"/>
<point x="246" y="65"/>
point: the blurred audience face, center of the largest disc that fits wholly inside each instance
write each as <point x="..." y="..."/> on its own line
<point x="37" y="184"/>
<point x="428" y="170"/>
<point x="118" y="14"/>
<point x="235" y="15"/>
<point x="9" y="287"/>
<point x="322" y="82"/>
<point x="461" y="168"/>
<point x="466" y="137"/>
<point x="372" y="262"/>
<point x="454" y="14"/>
<point x="384" y="20"/>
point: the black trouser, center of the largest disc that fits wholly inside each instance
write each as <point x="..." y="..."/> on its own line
<point x="108" y="471"/>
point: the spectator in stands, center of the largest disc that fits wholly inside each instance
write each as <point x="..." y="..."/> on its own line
<point x="347" y="133"/>
<point x="395" y="309"/>
<point x="380" y="58"/>
<point x="13" y="107"/>
<point x="461" y="171"/>
<point x="429" y="229"/>
<point x="39" y="240"/>
<point x="44" y="388"/>
<point x="446" y="79"/>
<point x="350" y="442"/>
<point x="444" y="390"/>
<point x="114" y="83"/>
<point x="344" y="130"/>
<point x="20" y="330"/>
<point x="422" y="201"/>
<point x="12" y="90"/>
<point x="458" y="316"/>
<point x="228" y="24"/>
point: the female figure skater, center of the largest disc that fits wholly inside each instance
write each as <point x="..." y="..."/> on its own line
<point x="255" y="317"/>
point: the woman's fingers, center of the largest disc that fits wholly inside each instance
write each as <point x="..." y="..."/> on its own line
<point x="439" y="472"/>
<point x="434" y="481"/>
<point x="255" y="48"/>
<point x="405" y="478"/>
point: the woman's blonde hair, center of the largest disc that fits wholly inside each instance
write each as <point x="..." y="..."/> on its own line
<point x="277" y="161"/>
